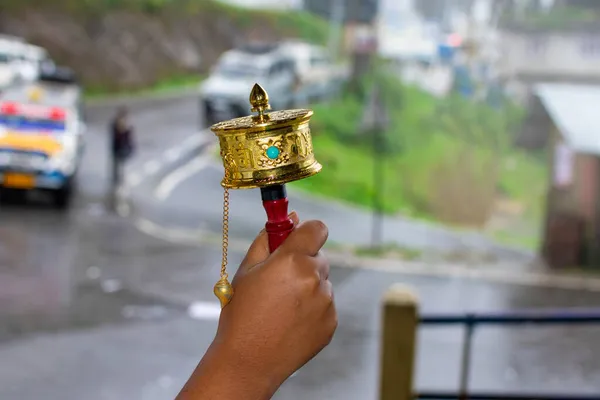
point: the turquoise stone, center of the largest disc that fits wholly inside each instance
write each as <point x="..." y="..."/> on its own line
<point x="272" y="152"/>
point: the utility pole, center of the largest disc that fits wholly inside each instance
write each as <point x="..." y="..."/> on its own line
<point x="375" y="122"/>
<point x="338" y="8"/>
<point x="364" y="43"/>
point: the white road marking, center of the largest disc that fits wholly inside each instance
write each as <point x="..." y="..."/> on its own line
<point x="133" y="180"/>
<point x="111" y="285"/>
<point x="216" y="165"/>
<point x="145" y="226"/>
<point x="93" y="273"/>
<point x="174" y="236"/>
<point x="174" y="179"/>
<point x="96" y="209"/>
<point x="123" y="209"/>
<point x="173" y="154"/>
<point x="196" y="139"/>
<point x="121" y="192"/>
<point x="151" y="167"/>
<point x="204" y="310"/>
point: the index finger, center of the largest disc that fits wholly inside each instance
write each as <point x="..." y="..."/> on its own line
<point x="259" y="249"/>
<point x="308" y="238"/>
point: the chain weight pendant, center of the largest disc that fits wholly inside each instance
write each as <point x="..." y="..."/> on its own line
<point x="223" y="289"/>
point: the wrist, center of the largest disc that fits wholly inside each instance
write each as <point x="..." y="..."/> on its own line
<point x="250" y="375"/>
<point x="225" y="374"/>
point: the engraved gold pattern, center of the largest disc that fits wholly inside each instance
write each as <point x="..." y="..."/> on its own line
<point x="246" y="163"/>
<point x="244" y="142"/>
<point x="248" y="122"/>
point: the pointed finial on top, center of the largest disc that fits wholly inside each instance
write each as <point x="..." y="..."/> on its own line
<point x="259" y="100"/>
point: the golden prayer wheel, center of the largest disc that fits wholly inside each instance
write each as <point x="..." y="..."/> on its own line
<point x="265" y="151"/>
<point x="267" y="148"/>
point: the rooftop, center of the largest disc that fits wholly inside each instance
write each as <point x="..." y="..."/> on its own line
<point x="51" y="94"/>
<point x="575" y="110"/>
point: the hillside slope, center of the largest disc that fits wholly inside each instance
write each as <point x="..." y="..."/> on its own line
<point x="130" y="44"/>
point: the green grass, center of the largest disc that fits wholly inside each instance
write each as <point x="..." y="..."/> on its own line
<point x="393" y="250"/>
<point x="280" y="24"/>
<point x="164" y="86"/>
<point x="294" y="23"/>
<point x="445" y="160"/>
<point x="288" y="23"/>
<point x="348" y="175"/>
<point x="524" y="177"/>
<point x="513" y="238"/>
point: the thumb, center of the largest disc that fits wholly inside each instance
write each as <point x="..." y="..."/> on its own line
<point x="258" y="251"/>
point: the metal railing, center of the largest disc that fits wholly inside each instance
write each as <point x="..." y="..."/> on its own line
<point x="471" y="321"/>
<point x="401" y="320"/>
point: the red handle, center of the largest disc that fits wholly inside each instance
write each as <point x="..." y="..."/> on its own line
<point x="279" y="225"/>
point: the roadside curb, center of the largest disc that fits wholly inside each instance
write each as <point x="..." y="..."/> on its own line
<point x="511" y="251"/>
<point x="497" y="273"/>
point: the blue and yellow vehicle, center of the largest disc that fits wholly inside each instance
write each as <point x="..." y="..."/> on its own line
<point x="42" y="134"/>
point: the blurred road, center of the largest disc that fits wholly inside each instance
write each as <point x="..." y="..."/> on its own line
<point x="44" y="254"/>
<point x="152" y="342"/>
<point x="191" y="198"/>
<point x="92" y="308"/>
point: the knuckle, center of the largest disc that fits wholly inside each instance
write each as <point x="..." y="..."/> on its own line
<point x="327" y="293"/>
<point x="329" y="299"/>
<point x="332" y="327"/>
<point x="312" y="282"/>
<point x="326" y="267"/>
<point x="320" y="226"/>
<point x="295" y="260"/>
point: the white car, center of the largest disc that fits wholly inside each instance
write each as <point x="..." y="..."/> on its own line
<point x="314" y="67"/>
<point x="319" y="75"/>
<point x="225" y="94"/>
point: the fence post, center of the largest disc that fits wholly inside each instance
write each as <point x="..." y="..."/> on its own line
<point x="398" y="342"/>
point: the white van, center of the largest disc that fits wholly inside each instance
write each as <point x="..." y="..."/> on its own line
<point x="29" y="61"/>
<point x="225" y="94"/>
<point x="8" y="57"/>
<point x="317" y="71"/>
<point x="42" y="139"/>
<point x="19" y="60"/>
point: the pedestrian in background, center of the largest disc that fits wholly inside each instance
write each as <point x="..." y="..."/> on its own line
<point x="122" y="145"/>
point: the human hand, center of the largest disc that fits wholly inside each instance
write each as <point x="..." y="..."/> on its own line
<point x="282" y="313"/>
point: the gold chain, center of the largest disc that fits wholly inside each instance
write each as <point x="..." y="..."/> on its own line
<point x="223" y="289"/>
<point x="225" y="232"/>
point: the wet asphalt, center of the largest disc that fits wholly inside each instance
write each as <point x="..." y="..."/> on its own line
<point x="92" y="308"/>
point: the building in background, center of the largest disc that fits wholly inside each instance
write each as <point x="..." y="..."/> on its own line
<point x="568" y="119"/>
<point x="532" y="55"/>
<point x="561" y="46"/>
